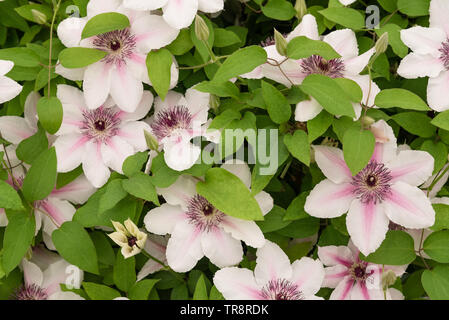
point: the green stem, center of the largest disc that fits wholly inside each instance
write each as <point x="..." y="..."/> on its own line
<point x="56" y="9"/>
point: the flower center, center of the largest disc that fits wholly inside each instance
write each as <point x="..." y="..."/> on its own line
<point x="358" y="271"/>
<point x="30" y="292"/>
<point x="100" y="124"/>
<point x="203" y="214"/>
<point x="281" y="289"/>
<point x="333" y="68"/>
<point x="119" y="44"/>
<point x="372" y="184"/>
<point x="132" y="241"/>
<point x="169" y="120"/>
<point x="444" y="57"/>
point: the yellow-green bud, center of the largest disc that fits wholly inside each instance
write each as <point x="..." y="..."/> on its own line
<point x="38" y="16"/>
<point x="201" y="29"/>
<point x="382" y="43"/>
<point x="388" y="278"/>
<point x="367" y="121"/>
<point x="214" y="102"/>
<point x="151" y="141"/>
<point x="281" y="43"/>
<point x="301" y="9"/>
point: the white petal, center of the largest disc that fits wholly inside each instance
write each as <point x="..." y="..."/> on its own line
<point x="334" y="275"/>
<point x="93" y="165"/>
<point x="144" y="4"/>
<point x="343" y="289"/>
<point x="15" y="129"/>
<point x="329" y="200"/>
<point x="333" y="255"/>
<point x="76" y="74"/>
<point x="308" y="28"/>
<point x="413" y="167"/>
<point x="423" y="40"/>
<point x="60" y="211"/>
<point x="237" y="284"/>
<point x="180" y="13"/>
<point x="70" y="150"/>
<point x="5" y="66"/>
<point x="308" y="275"/>
<point x="163" y="219"/>
<point x="344" y="42"/>
<point x="367" y="225"/>
<point x="115" y="151"/>
<point x="198" y="104"/>
<point x="409" y="207"/>
<point x="265" y="201"/>
<point x="95" y="7"/>
<point x="172" y="99"/>
<point x="126" y="89"/>
<point x="32" y="273"/>
<point x="180" y="192"/>
<point x="240" y="169"/>
<point x="97" y="84"/>
<point x="184" y="247"/>
<point x="439" y="11"/>
<point x="210" y="6"/>
<point x="272" y="264"/>
<point x="9" y="89"/>
<point x="436" y="92"/>
<point x="307" y="110"/>
<point x="180" y="154"/>
<point x="416" y="65"/>
<point x="77" y="191"/>
<point x="332" y="163"/>
<point x="133" y="133"/>
<point x="355" y="65"/>
<point x="70" y="30"/>
<point x="142" y="109"/>
<point x="247" y="231"/>
<point x="152" y="32"/>
<point x="221" y="249"/>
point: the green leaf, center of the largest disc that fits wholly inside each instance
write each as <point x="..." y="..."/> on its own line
<point x="351" y="88"/>
<point x="441" y="216"/>
<point x="41" y="178"/>
<point x="438" y="150"/>
<point x="301" y="228"/>
<point x="124" y="274"/>
<point x="318" y="125"/>
<point x="279" y="10"/>
<point x="162" y="175"/>
<point x="113" y="194"/>
<point x="29" y="149"/>
<point x="78" y="57"/>
<point x="436" y="282"/>
<point x="18" y="237"/>
<point x="220" y="186"/>
<point x="159" y="64"/>
<point x="22" y="57"/>
<point x="397" y="249"/>
<point x="441" y="120"/>
<point x="105" y="253"/>
<point x="298" y="145"/>
<point x="97" y="291"/>
<point x="415" y="123"/>
<point x="436" y="246"/>
<point x="303" y="47"/>
<point x="9" y="199"/>
<point x="134" y="164"/>
<point x="329" y="94"/>
<point x="141" y="290"/>
<point x="200" y="290"/>
<point x="274" y="220"/>
<point x="140" y="186"/>
<point x="182" y="44"/>
<point x="277" y="105"/>
<point x="394" y="38"/>
<point x="295" y="210"/>
<point x="414" y="8"/>
<point x="347" y="17"/>
<point x="74" y="244"/>
<point x="400" y="98"/>
<point x="50" y="113"/>
<point x="358" y="147"/>
<point x="242" y="61"/>
<point x="220" y="89"/>
<point x="225" y="38"/>
<point x="103" y="23"/>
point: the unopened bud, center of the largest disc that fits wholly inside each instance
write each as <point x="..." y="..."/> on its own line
<point x="388" y="278"/>
<point x="301" y="9"/>
<point x="367" y="121"/>
<point x="281" y="43"/>
<point x="151" y="141"/>
<point x="214" y="102"/>
<point x="382" y="43"/>
<point x="38" y="16"/>
<point x="201" y="29"/>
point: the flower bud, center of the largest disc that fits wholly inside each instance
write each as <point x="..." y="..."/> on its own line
<point x="281" y="43"/>
<point x="201" y="29"/>
<point x="367" y="121"/>
<point x="38" y="16"/>
<point x="388" y="278"/>
<point x="301" y="9"/>
<point x="151" y="141"/>
<point x="214" y="102"/>
<point x="382" y="43"/>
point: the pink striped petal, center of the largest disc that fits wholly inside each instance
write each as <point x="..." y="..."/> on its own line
<point x="332" y="163"/>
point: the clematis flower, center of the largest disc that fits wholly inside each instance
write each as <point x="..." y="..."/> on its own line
<point x="101" y="138"/>
<point x="176" y="121"/>
<point x="430" y="55"/>
<point x="177" y="13"/>
<point x="386" y="189"/>
<point x="9" y="89"/>
<point x="293" y="72"/>
<point x="156" y="246"/>
<point x="346" y="2"/>
<point x="43" y="275"/>
<point x="199" y="229"/>
<point x="354" y="279"/>
<point x="274" y="278"/>
<point x="121" y="73"/>
<point x="128" y="237"/>
<point x="15" y="129"/>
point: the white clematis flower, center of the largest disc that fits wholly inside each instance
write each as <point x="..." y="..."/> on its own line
<point x="98" y="139"/>
<point x="9" y="89"/>
<point x="177" y="13"/>
<point x="198" y="229"/>
<point x="274" y="278"/>
<point x="128" y="237"/>
<point x="121" y="73"/>
<point x="293" y="72"/>
<point x="430" y="55"/>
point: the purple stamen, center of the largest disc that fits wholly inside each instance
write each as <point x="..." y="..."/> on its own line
<point x="281" y="289"/>
<point x="372" y="184"/>
<point x="30" y="292"/>
<point x="203" y="214"/>
<point x="119" y="45"/>
<point x="333" y="68"/>
<point x="169" y="120"/>
<point x="100" y="124"/>
<point x="445" y="54"/>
